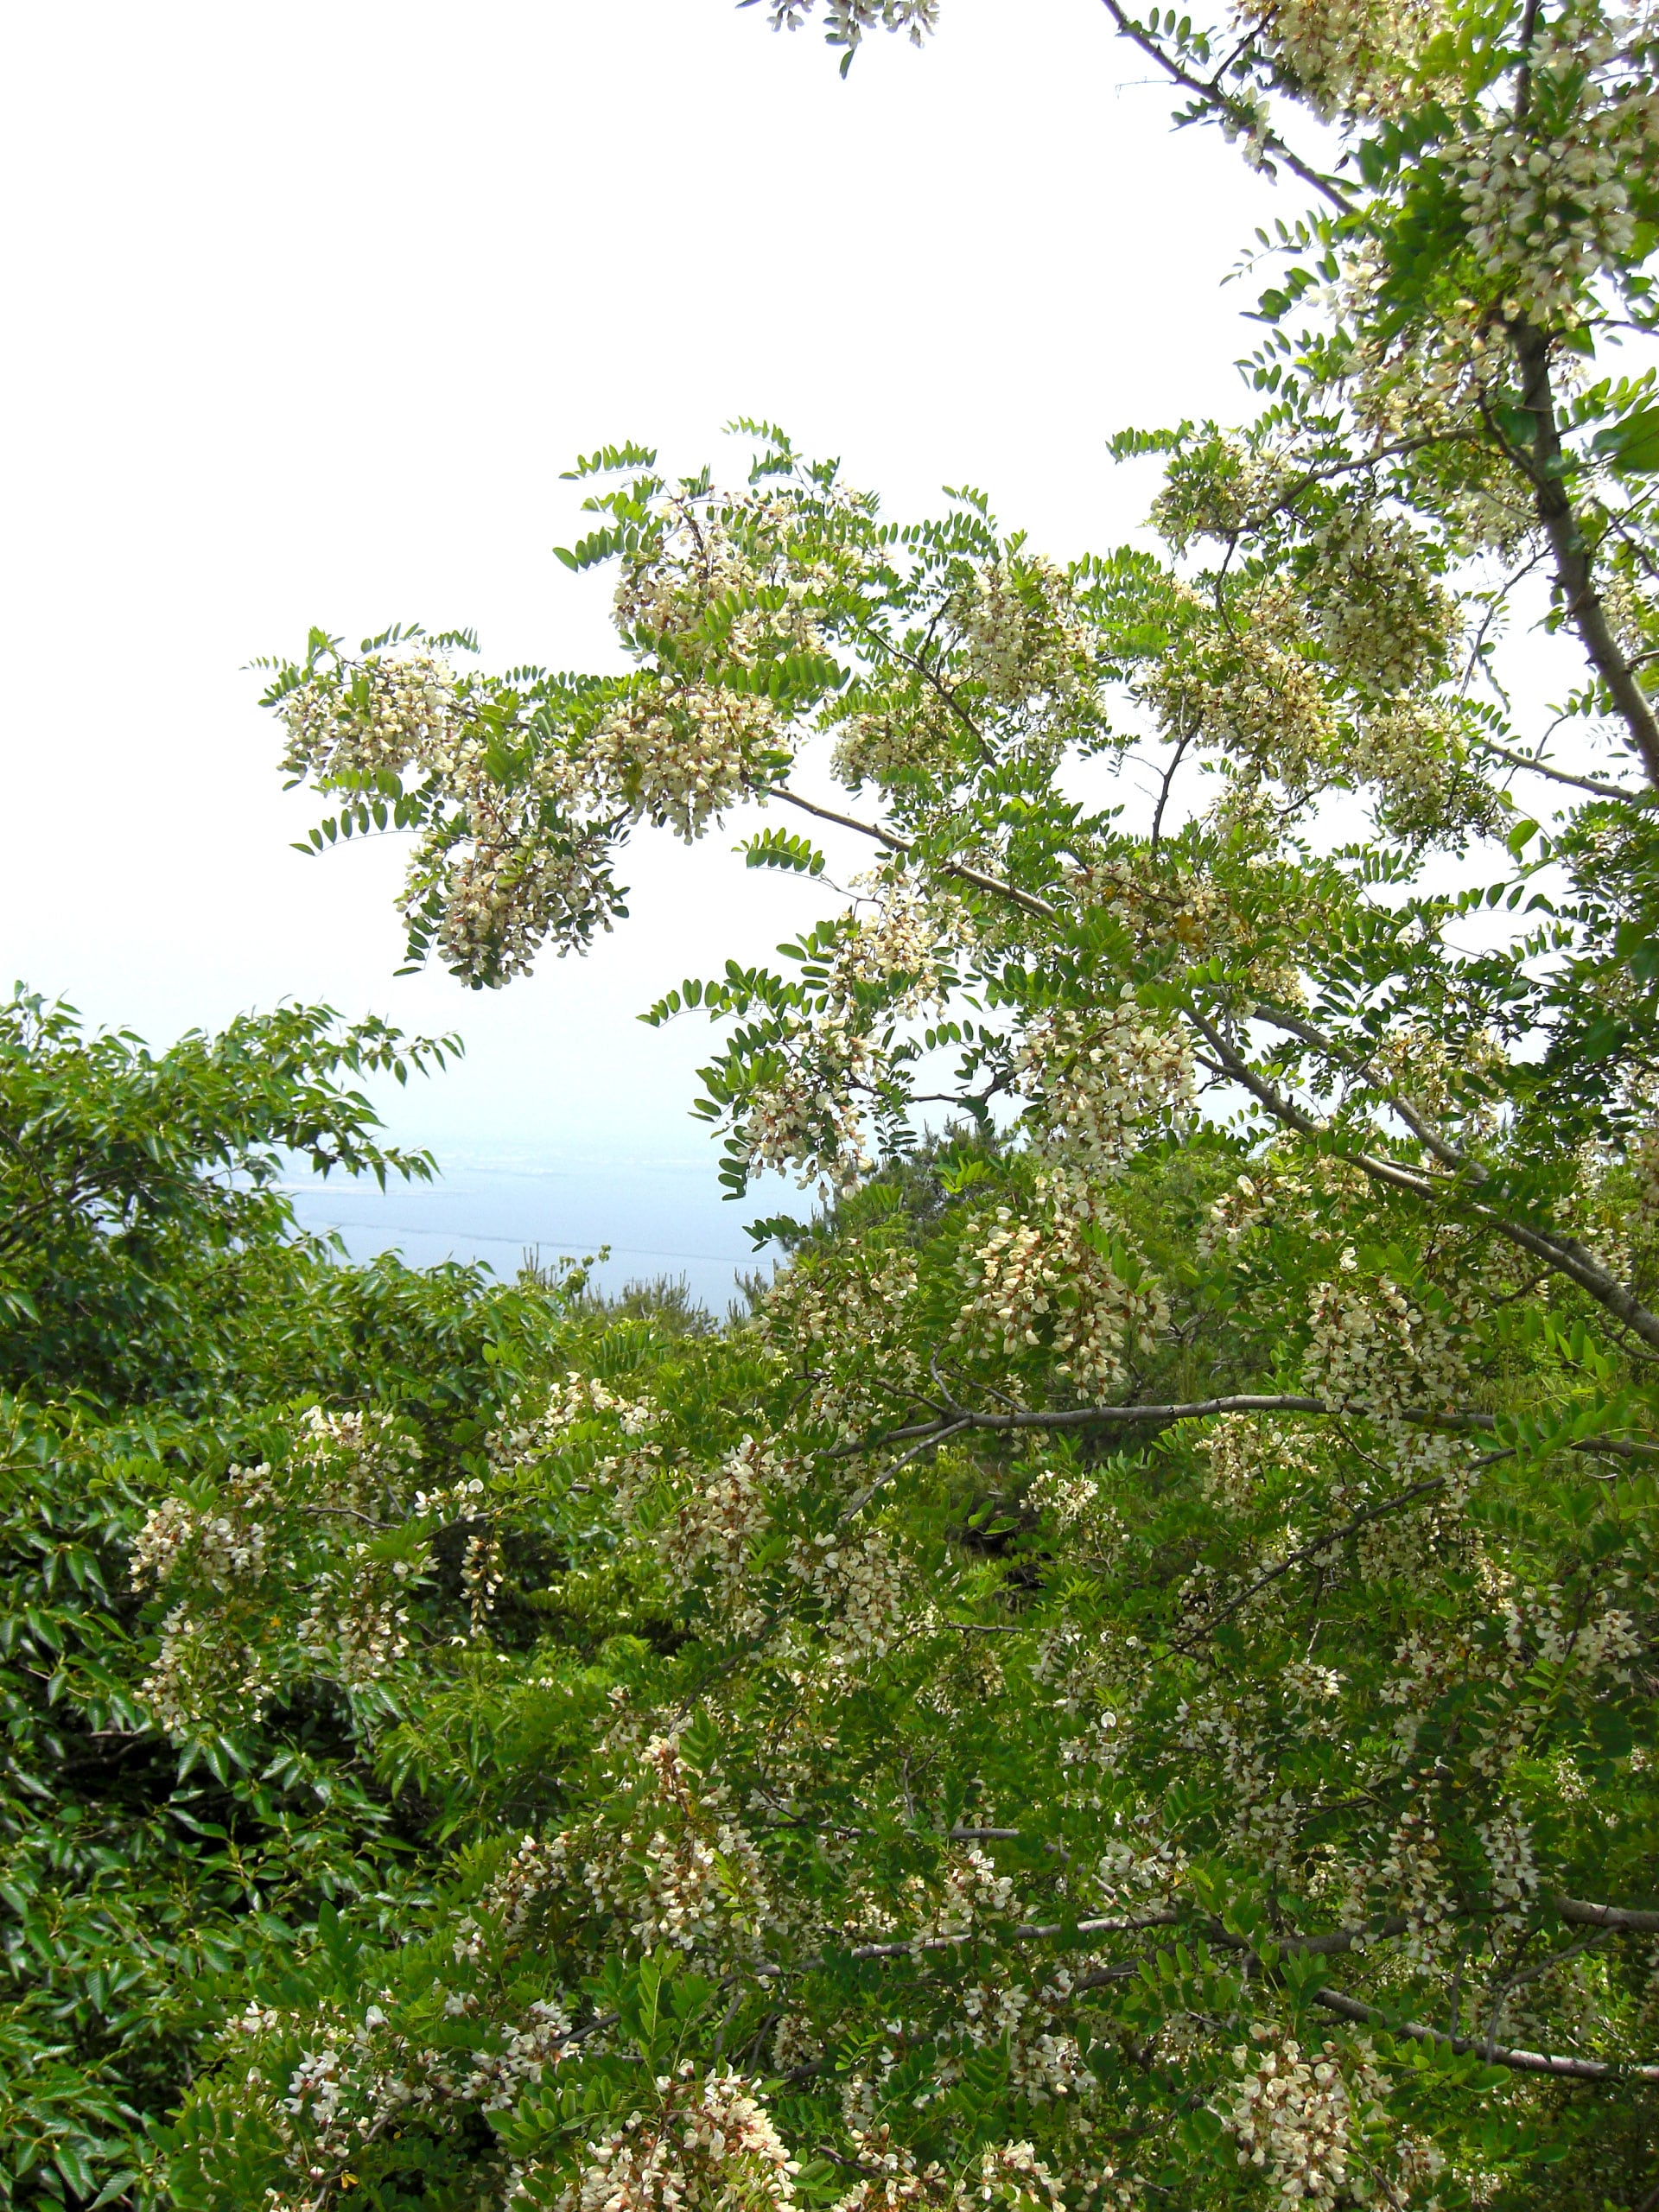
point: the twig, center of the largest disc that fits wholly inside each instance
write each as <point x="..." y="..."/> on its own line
<point x="895" y="844"/>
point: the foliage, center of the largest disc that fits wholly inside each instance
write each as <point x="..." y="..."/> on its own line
<point x="1129" y="1680"/>
<point x="164" y="1319"/>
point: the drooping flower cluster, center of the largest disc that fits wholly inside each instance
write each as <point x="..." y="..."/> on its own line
<point x="1383" y="617"/>
<point x="1353" y="55"/>
<point x="1059" y="1280"/>
<point x="1375" y="1350"/>
<point x="1101" y="1079"/>
<point x="1257" y="695"/>
<point x="861" y="1583"/>
<point x="721" y="1515"/>
<point x="678" y="755"/>
<point x="361" y="2070"/>
<point x="259" y="1548"/>
<point x="1550" y="208"/>
<point x="347" y="725"/>
<point x="1021" y="635"/>
<point x="1297" y="2117"/>
<point x="703" y="2141"/>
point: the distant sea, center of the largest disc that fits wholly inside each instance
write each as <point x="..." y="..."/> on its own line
<point x="659" y="1218"/>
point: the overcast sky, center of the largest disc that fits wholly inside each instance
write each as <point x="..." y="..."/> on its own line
<point x="309" y="305"/>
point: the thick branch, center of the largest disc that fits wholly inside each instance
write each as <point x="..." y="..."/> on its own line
<point x="1607" y="1916"/>
<point x="1563" y="1253"/>
<point x="1295" y="1025"/>
<point x="1519" y="2061"/>
<point x="1030" y="1932"/>
<point x="954" y="1418"/>
<point x="1573" y="575"/>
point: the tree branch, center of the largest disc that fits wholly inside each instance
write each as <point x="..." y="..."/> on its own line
<point x="1564" y="1254"/>
<point x="1244" y="119"/>
<point x="956" y="1417"/>
<point x="1573" y="573"/>
<point x="1519" y="2061"/>
<point x="894" y="843"/>
<point x="1556" y="775"/>
<point x="1327" y="1543"/>
<point x="1606" y="1915"/>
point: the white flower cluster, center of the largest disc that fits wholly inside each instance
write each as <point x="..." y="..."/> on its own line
<point x="1009" y="2176"/>
<point x="1546" y="214"/>
<point x="861" y="1583"/>
<point x="678" y="754"/>
<point x="716" y="1526"/>
<point x="1258" y="695"/>
<point x="1045" y="1280"/>
<point x="898" y="949"/>
<point x="805" y="1113"/>
<point x="515" y="862"/>
<point x="1021" y="635"/>
<point x="1044" y="2063"/>
<point x="348" y="724"/>
<point x="805" y="1116"/>
<point x="1217" y="492"/>
<point x="706" y="2144"/>
<point x="239" y="1560"/>
<point x="1541" y="1626"/>
<point x="1231" y="1219"/>
<point x="356" y="1459"/>
<point x="972" y="1893"/>
<point x="219" y="1548"/>
<point x="1297" y="2119"/>
<point x="1384" y="620"/>
<point x="360" y="2072"/>
<point x="201" y="1673"/>
<point x="1414" y="753"/>
<point x="726" y="579"/>
<point x="1506" y="1839"/>
<point x="538" y="1865"/>
<point x="1140" y="1868"/>
<point x="916" y="738"/>
<point x="1073" y="1502"/>
<point x="1372" y="1351"/>
<point x="1347" y="55"/>
<point x="1101" y="1078"/>
<point x="692" y="1879"/>
<point x="512" y="886"/>
<point x="1240" y="1450"/>
<point x="846" y="1323"/>
<point x="357" y="1626"/>
<point x="1413" y="1876"/>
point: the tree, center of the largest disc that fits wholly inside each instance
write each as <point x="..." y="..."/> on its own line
<point x="162" y="1322"/>
<point x="1133" y="1675"/>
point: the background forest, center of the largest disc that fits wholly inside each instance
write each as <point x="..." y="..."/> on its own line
<point x="1126" y="1678"/>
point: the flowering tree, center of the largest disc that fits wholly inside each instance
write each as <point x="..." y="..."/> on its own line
<point x="1130" y="1680"/>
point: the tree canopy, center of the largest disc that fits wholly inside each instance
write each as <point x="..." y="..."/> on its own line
<point x="1128" y="1680"/>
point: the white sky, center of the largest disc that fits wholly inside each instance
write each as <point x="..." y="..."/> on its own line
<point x="310" y="305"/>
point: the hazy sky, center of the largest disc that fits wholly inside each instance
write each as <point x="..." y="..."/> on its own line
<point x="310" y="305"/>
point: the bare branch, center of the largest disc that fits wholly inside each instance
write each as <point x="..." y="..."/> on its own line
<point x="1519" y="2061"/>
<point x="1607" y="1916"/>
<point x="1556" y="775"/>
<point x="894" y="843"/>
